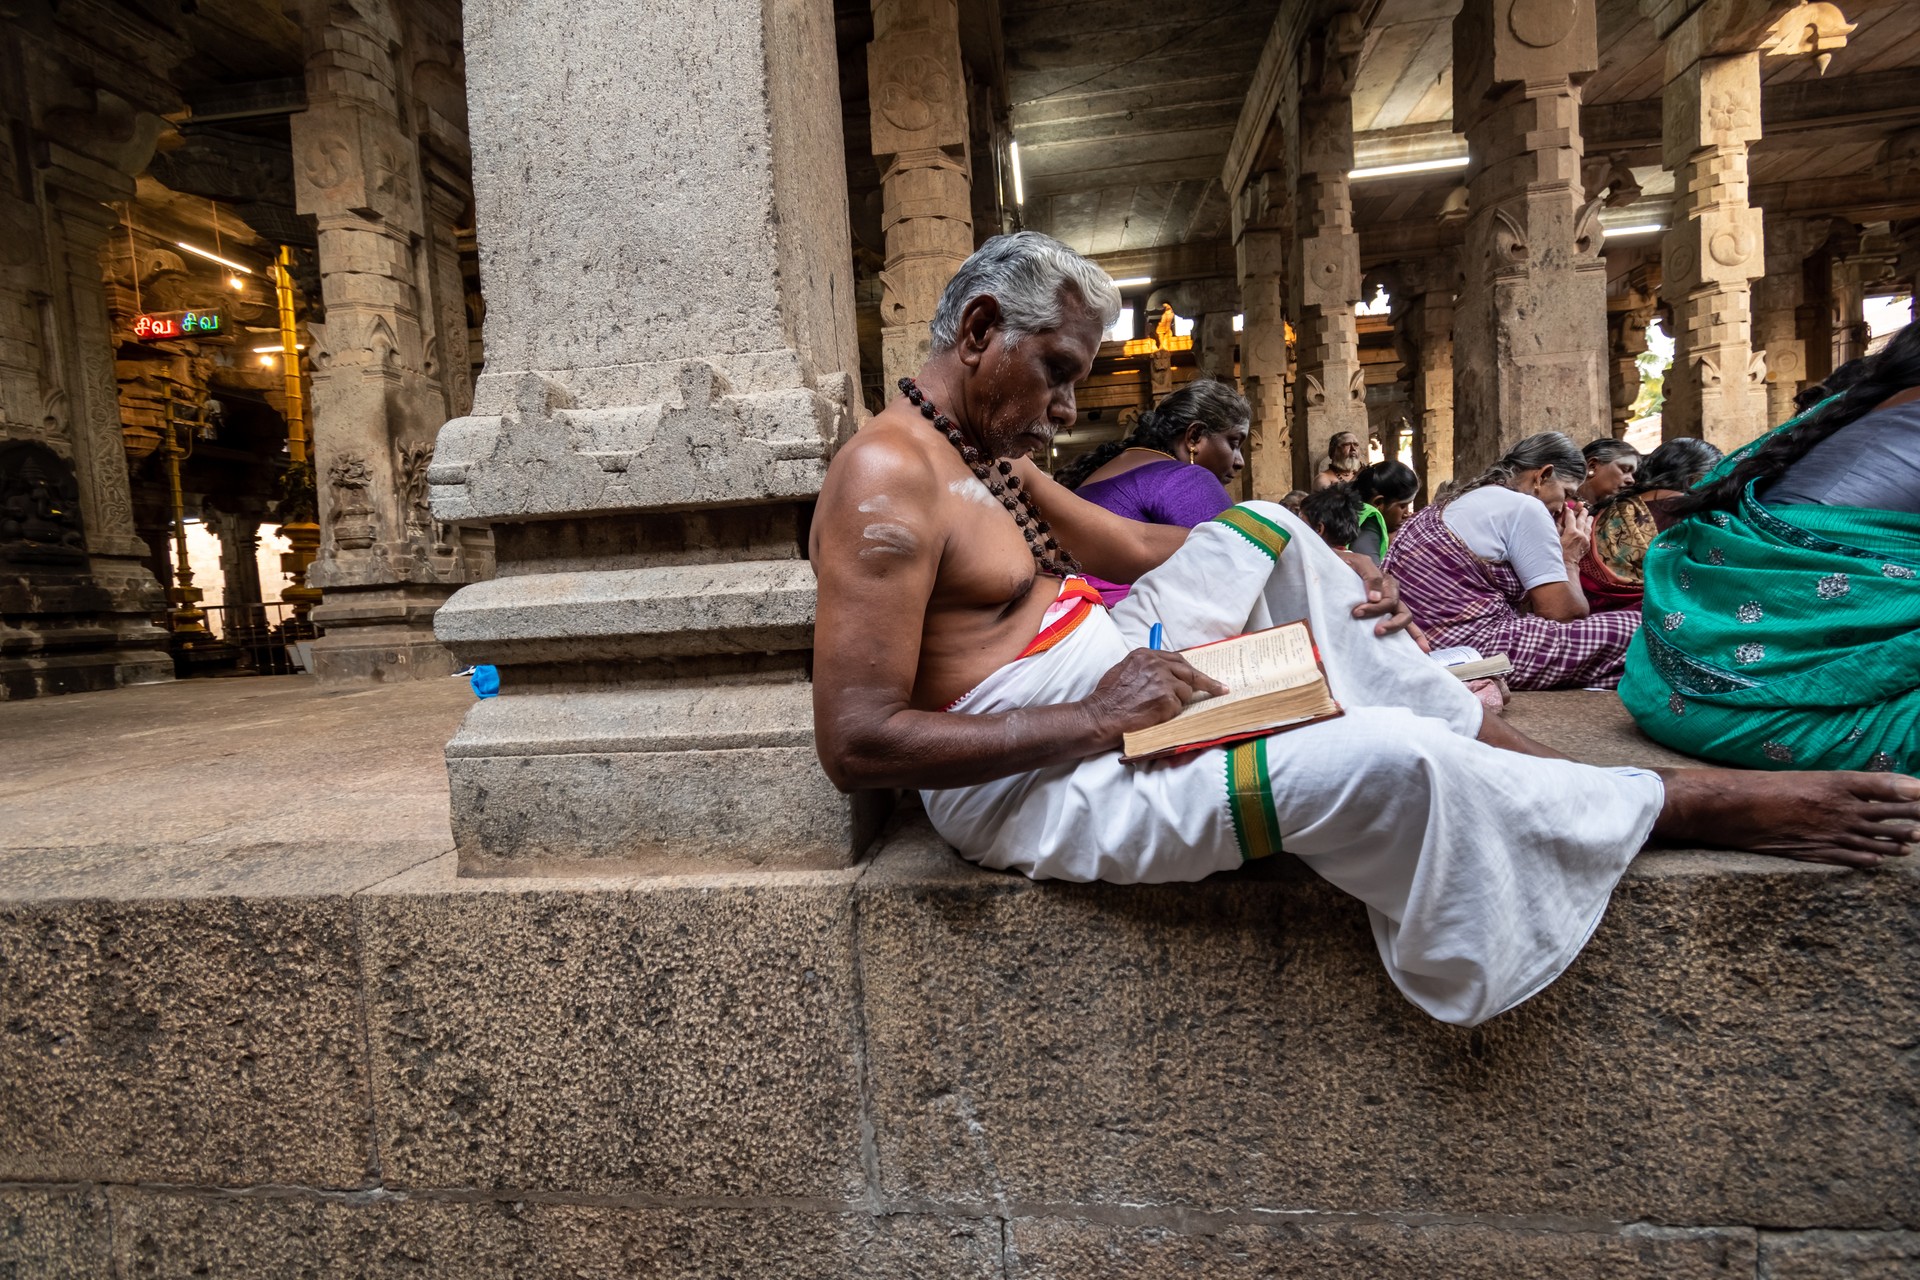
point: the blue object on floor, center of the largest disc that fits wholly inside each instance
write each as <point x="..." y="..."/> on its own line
<point x="486" y="682"/>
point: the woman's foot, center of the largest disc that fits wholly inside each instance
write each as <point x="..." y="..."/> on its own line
<point x="1848" y="819"/>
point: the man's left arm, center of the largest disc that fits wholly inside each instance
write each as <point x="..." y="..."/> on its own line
<point x="1122" y="550"/>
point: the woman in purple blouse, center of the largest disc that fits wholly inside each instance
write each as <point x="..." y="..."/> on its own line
<point x="1172" y="468"/>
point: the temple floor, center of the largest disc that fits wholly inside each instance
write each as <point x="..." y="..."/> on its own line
<point x="212" y="785"/>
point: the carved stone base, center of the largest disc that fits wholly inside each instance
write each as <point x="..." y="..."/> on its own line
<point x="724" y="776"/>
<point x="79" y="628"/>
<point x="379" y="635"/>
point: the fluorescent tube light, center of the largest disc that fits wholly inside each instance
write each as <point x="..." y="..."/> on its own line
<point x="1411" y="166"/>
<point x="1019" y="186"/>
<point x="1132" y="282"/>
<point x="211" y="256"/>
<point x="1643" y="229"/>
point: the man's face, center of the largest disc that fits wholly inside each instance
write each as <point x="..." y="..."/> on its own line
<point x="1346" y="449"/>
<point x="1022" y="394"/>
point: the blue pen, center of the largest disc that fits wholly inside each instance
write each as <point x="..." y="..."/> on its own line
<point x="1157" y="637"/>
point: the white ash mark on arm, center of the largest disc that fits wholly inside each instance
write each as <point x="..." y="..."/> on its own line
<point x="884" y="538"/>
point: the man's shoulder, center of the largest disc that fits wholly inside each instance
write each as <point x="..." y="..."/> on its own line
<point x="886" y="455"/>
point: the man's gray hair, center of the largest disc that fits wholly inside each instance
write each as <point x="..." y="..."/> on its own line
<point x="1023" y="272"/>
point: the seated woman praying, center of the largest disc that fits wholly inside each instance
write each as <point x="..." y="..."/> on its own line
<point x="1172" y="468"/>
<point x="1611" y="465"/>
<point x="1387" y="490"/>
<point x="1783" y="610"/>
<point x="1625" y="525"/>
<point x="1488" y="568"/>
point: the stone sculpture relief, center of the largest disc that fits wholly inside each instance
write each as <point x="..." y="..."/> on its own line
<point x="354" y="520"/>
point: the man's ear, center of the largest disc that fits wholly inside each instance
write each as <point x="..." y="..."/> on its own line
<point x="977" y="325"/>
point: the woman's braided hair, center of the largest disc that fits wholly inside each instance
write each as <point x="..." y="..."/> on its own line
<point x="1892" y="370"/>
<point x="1547" y="449"/>
<point x="1213" y="404"/>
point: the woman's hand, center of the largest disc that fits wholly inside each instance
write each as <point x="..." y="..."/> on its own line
<point x="1576" y="535"/>
<point x="1383" y="595"/>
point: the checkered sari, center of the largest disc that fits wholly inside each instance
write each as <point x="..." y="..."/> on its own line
<point x="1460" y="599"/>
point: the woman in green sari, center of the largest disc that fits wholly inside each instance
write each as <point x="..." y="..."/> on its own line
<point x="1782" y="615"/>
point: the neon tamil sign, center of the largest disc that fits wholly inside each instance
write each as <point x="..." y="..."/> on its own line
<point x="169" y="326"/>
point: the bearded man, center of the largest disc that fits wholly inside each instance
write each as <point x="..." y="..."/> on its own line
<point x="955" y="652"/>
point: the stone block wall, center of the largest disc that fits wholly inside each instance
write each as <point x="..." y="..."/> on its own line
<point x="367" y="1066"/>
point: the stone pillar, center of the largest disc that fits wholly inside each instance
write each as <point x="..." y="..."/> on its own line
<point x="1422" y="296"/>
<point x="917" y="87"/>
<point x="1330" y="386"/>
<point x="670" y="360"/>
<point x="240" y="596"/>
<point x="1777" y="299"/>
<point x="388" y="369"/>
<point x="1848" y="301"/>
<point x="1631" y="305"/>
<point x="1215" y="344"/>
<point x="1714" y="248"/>
<point x="77" y="596"/>
<point x="1260" y="243"/>
<point x="1530" y="337"/>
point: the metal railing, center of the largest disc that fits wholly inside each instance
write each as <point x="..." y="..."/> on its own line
<point x="266" y="638"/>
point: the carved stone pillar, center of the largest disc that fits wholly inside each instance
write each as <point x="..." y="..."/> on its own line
<point x="1530" y="338"/>
<point x="1777" y="299"/>
<point x="1423" y="303"/>
<point x="1260" y="245"/>
<point x="77" y="599"/>
<point x="917" y="87"/>
<point x="1330" y="386"/>
<point x="240" y="596"/>
<point x="1631" y="306"/>
<point x="1715" y="247"/>
<point x="383" y="380"/>
<point x="670" y="360"/>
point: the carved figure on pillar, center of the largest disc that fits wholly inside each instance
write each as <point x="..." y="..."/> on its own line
<point x="1325" y="275"/>
<point x="1530" y="338"/>
<point x="917" y="85"/>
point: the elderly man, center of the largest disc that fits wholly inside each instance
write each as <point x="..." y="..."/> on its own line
<point x="1342" y="463"/>
<point x="956" y="653"/>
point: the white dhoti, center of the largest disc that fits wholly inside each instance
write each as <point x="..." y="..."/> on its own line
<point x="1484" y="872"/>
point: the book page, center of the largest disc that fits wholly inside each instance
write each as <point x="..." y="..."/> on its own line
<point x="1277" y="658"/>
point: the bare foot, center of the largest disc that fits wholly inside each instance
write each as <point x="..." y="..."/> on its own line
<point x="1847" y="819"/>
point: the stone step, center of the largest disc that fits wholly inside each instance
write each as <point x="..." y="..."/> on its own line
<point x="289" y="1059"/>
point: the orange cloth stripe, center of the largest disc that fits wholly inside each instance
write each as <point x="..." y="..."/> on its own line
<point x="1076" y="601"/>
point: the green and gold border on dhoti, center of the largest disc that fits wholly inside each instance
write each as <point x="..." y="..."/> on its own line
<point x="1257" y="529"/>
<point x="1250" y="796"/>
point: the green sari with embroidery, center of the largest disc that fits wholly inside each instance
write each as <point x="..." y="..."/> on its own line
<point x="1783" y="637"/>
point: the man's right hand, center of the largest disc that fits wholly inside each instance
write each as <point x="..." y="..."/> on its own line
<point x="1147" y="687"/>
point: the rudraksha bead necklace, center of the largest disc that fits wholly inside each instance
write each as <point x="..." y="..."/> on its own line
<point x="998" y="476"/>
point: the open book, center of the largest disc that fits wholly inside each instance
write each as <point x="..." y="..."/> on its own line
<point x="1274" y="681"/>
<point x="1465" y="663"/>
